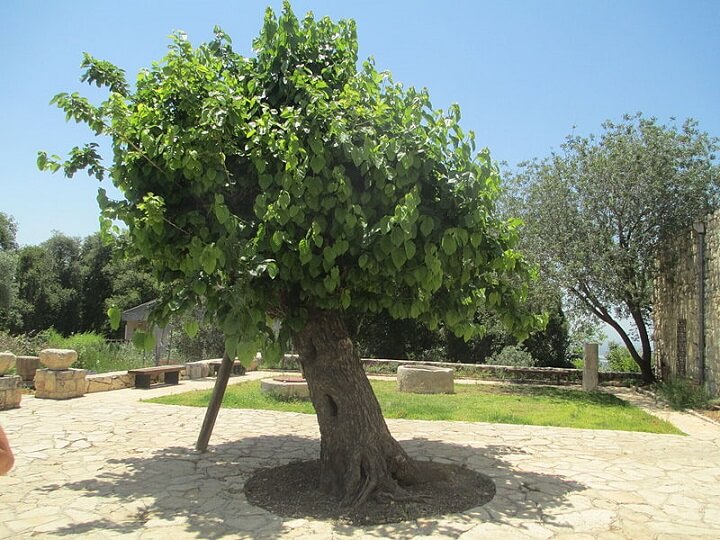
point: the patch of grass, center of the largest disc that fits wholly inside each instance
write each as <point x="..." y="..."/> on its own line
<point x="539" y="406"/>
<point x="245" y="395"/>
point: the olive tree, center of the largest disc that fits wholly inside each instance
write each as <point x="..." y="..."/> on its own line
<point x="295" y="186"/>
<point x="599" y="212"/>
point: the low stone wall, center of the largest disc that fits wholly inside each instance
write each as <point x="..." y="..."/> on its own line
<point x="104" y="382"/>
<point x="508" y="373"/>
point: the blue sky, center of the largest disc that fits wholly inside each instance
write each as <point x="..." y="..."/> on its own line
<point x="525" y="73"/>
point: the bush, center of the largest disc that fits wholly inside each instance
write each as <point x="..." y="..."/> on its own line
<point x="513" y="356"/>
<point x="682" y="394"/>
<point x="22" y="345"/>
<point x="620" y="359"/>
<point x="94" y="352"/>
<point x="89" y="346"/>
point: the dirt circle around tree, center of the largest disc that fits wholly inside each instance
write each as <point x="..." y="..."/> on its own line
<point x="291" y="491"/>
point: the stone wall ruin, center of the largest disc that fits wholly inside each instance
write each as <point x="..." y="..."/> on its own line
<point x="682" y="325"/>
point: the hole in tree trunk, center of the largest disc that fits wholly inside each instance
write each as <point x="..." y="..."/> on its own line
<point x="333" y="406"/>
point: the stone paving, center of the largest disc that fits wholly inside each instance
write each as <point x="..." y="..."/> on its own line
<point x="110" y="466"/>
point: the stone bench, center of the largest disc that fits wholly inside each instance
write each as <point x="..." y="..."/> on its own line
<point x="143" y="376"/>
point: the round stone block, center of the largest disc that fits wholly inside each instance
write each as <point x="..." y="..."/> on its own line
<point x="57" y="359"/>
<point x="286" y="387"/>
<point x="7" y="360"/>
<point x="425" y="380"/>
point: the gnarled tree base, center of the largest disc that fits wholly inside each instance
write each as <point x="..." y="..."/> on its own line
<point x="293" y="491"/>
<point x="359" y="458"/>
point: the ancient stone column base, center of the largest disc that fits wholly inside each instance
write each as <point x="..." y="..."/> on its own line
<point x="60" y="384"/>
<point x="10" y="394"/>
<point x="26" y="366"/>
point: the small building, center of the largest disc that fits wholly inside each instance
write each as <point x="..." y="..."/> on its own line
<point x="136" y="318"/>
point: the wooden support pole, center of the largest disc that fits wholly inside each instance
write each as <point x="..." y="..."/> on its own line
<point x="215" y="401"/>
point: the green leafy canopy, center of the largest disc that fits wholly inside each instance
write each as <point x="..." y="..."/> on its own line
<point x="293" y="180"/>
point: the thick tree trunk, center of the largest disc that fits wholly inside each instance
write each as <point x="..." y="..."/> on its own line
<point x="358" y="455"/>
<point x="644" y="360"/>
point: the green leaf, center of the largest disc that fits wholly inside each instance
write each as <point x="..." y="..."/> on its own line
<point x="208" y="260"/>
<point x="246" y="350"/>
<point x="114" y="315"/>
<point x="448" y="244"/>
<point x="410" y="249"/>
<point x="426" y="226"/>
<point x="143" y="340"/>
<point x="265" y="181"/>
<point x="276" y="241"/>
<point x="398" y="257"/>
<point x="317" y="163"/>
<point x="191" y="327"/>
<point x="284" y="199"/>
<point x="345" y="299"/>
<point x="231" y="345"/>
<point x="397" y="236"/>
<point x="305" y="252"/>
<point x="222" y="213"/>
<point x="316" y="145"/>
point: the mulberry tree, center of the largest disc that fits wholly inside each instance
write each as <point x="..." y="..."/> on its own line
<point x="300" y="187"/>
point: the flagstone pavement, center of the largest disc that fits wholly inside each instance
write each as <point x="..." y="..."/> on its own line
<point x="108" y="465"/>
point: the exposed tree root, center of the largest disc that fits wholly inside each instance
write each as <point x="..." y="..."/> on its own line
<point x="443" y="489"/>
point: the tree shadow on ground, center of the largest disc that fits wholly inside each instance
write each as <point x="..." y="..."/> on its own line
<point x="203" y="494"/>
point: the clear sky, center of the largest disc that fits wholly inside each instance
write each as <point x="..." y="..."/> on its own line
<point x="525" y="73"/>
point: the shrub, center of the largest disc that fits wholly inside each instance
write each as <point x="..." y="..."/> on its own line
<point x="21" y="345"/>
<point x="94" y="352"/>
<point x="620" y="359"/>
<point x="89" y="346"/>
<point x="514" y="356"/>
<point x="682" y="393"/>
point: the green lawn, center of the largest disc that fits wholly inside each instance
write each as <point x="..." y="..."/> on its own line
<point x="505" y="404"/>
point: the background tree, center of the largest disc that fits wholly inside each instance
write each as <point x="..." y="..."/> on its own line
<point x="130" y="276"/>
<point x="38" y="298"/>
<point x="598" y="212"/>
<point x="8" y="264"/>
<point x="8" y="230"/>
<point x="64" y="252"/>
<point x="295" y="186"/>
<point x="95" y="283"/>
